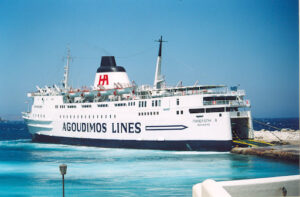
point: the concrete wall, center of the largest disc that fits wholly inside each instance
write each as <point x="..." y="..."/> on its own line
<point x="250" y="187"/>
<point x="209" y="188"/>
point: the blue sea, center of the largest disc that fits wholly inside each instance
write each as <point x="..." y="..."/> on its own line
<point x="31" y="169"/>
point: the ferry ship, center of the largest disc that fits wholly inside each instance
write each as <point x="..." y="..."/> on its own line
<point x="116" y="113"/>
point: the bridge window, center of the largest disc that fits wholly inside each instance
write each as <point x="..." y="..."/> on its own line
<point x="198" y="110"/>
<point x="211" y="110"/>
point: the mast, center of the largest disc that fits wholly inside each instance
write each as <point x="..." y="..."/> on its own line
<point x="66" y="71"/>
<point x="158" y="80"/>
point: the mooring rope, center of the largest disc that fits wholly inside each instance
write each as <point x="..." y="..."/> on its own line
<point x="262" y="123"/>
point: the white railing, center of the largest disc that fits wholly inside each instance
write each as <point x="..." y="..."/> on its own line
<point x="237" y="114"/>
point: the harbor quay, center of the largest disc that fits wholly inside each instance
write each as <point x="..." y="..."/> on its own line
<point x="282" y="145"/>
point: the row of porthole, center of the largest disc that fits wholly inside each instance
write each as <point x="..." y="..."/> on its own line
<point x="38" y="115"/>
<point x="86" y="116"/>
<point x="148" y="113"/>
<point x="44" y="99"/>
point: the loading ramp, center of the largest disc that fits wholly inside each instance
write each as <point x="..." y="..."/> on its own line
<point x="249" y="143"/>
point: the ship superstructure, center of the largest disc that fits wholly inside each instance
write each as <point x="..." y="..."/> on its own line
<point x="117" y="113"/>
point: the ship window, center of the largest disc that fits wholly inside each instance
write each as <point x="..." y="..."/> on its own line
<point x="228" y="109"/>
<point x="152" y="103"/>
<point x="211" y="110"/>
<point x="77" y="116"/>
<point x="198" y="110"/>
<point x="181" y="112"/>
<point x="220" y="98"/>
<point x="177" y="112"/>
<point x="156" y="103"/>
<point x="151" y="113"/>
<point x="105" y="116"/>
<point x="109" y="116"/>
<point x="177" y="101"/>
<point x="115" y="116"/>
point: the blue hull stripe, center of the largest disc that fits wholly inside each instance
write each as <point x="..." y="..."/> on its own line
<point x="165" y="127"/>
<point x="184" y="145"/>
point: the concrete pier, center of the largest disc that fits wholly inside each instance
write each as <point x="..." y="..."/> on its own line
<point x="282" y="152"/>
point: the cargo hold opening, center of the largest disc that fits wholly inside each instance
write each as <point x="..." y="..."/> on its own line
<point x="241" y="128"/>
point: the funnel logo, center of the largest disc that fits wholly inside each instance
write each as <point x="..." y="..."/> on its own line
<point x="103" y="79"/>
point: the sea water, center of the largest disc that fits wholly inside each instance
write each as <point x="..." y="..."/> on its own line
<point x="32" y="169"/>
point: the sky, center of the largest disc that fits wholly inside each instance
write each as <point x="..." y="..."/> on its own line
<point x="250" y="43"/>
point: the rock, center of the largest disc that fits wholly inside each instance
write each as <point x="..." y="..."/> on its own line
<point x="283" y="152"/>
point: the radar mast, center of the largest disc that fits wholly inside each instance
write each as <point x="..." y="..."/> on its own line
<point x="159" y="80"/>
<point x="66" y="70"/>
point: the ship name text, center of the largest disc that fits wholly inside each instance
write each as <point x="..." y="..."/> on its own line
<point x="120" y="127"/>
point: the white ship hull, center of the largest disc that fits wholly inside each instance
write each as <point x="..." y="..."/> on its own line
<point x="127" y="125"/>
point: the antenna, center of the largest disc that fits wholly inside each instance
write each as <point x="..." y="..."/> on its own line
<point x="160" y="45"/>
<point x="66" y="69"/>
<point x="158" y="79"/>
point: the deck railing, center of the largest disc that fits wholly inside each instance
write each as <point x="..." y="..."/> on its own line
<point x="237" y="114"/>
